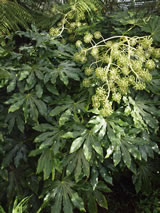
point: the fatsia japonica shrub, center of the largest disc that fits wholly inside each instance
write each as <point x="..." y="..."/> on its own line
<point x="77" y="108"/>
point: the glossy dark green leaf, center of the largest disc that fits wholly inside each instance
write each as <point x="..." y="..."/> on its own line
<point x="76" y="144"/>
<point x="58" y="204"/>
<point x="14" y="107"/>
<point x="77" y="201"/>
<point x="103" y="187"/>
<point x="101" y="200"/>
<point x="100" y="126"/>
<point x="96" y="145"/>
<point x="92" y="205"/>
<point x="78" y="169"/>
<point x="12" y="85"/>
<point x="65" y="117"/>
<point x="57" y="110"/>
<point x="39" y="90"/>
<point x="117" y="156"/>
<point x="45" y="164"/>
<point x="87" y="149"/>
<point x="126" y="156"/>
<point x="67" y="205"/>
<point x="94" y="177"/>
<point x="51" y="88"/>
<point x="105" y="175"/>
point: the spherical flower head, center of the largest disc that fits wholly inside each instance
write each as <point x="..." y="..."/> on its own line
<point x="94" y="52"/>
<point x="146" y="42"/>
<point x="123" y="85"/>
<point x="83" y="51"/>
<point x="133" y="41"/>
<point x="73" y="25"/>
<point x="122" y="60"/>
<point x="63" y="21"/>
<point x="115" y="46"/>
<point x="83" y="59"/>
<point x="69" y="30"/>
<point x="59" y="24"/>
<point x="78" y="43"/>
<point x="123" y="82"/>
<point x="147" y="76"/>
<point x="150" y="50"/>
<point x="125" y="70"/>
<point x="78" y="24"/>
<point x="109" y="44"/>
<point x="131" y="80"/>
<point x="88" y="71"/>
<point x="115" y="53"/>
<point x="107" y="109"/>
<point x="95" y="101"/>
<point x="140" y="86"/>
<point x="136" y="65"/>
<point x="88" y="38"/>
<point x="139" y="51"/>
<point x="99" y="72"/>
<point x="86" y="82"/>
<point x="77" y="57"/>
<point x="116" y="97"/>
<point x="142" y="58"/>
<point x="112" y="86"/>
<point x="100" y="92"/>
<point x="113" y="74"/>
<point x="52" y="31"/>
<point x="147" y="54"/>
<point x="150" y="64"/>
<point x="70" y="16"/>
<point x="105" y="59"/>
<point x="156" y="53"/>
<point x="97" y="35"/>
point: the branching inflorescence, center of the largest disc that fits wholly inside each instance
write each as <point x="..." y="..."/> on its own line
<point x="111" y="65"/>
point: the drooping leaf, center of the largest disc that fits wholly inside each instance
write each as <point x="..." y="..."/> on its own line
<point x="101" y="200"/>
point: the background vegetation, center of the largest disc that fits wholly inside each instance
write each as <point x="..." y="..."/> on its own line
<point x="79" y="106"/>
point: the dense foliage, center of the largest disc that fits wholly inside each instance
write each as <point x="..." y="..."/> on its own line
<point x="79" y="109"/>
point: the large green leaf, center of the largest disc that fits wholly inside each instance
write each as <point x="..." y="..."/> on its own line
<point x="117" y="156"/>
<point x="64" y="196"/>
<point x="46" y="163"/>
<point x="101" y="200"/>
<point x="100" y="125"/>
<point x="77" y="162"/>
<point x="76" y="144"/>
<point x="88" y="141"/>
<point x="153" y="27"/>
<point x="50" y="136"/>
